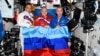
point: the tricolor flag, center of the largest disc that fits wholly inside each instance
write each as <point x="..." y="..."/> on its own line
<point x="1" y="28"/>
<point x="38" y="38"/>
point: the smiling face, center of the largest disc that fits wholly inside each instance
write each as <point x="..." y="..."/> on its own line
<point x="59" y="11"/>
<point x="28" y="8"/>
<point x="44" y="11"/>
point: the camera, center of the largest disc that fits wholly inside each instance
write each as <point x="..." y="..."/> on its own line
<point x="77" y="47"/>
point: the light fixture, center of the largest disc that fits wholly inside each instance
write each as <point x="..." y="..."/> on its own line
<point x="70" y="1"/>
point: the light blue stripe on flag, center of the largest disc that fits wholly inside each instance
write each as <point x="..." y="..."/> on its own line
<point x="49" y="33"/>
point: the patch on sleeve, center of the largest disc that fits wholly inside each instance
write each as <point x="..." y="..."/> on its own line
<point x="27" y="18"/>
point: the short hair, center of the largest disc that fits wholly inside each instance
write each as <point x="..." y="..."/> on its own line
<point x="59" y="7"/>
<point x="27" y="4"/>
<point x="43" y="8"/>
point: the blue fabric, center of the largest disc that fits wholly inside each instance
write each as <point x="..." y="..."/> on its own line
<point x="51" y="12"/>
<point x="2" y="32"/>
<point x="40" y="37"/>
<point x="58" y="43"/>
<point x="62" y="22"/>
<point x="49" y="33"/>
<point x="36" y="43"/>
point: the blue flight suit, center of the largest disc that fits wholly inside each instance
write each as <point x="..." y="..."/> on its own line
<point x="62" y="22"/>
<point x="63" y="40"/>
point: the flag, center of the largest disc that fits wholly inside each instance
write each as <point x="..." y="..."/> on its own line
<point x="38" y="38"/>
<point x="1" y="28"/>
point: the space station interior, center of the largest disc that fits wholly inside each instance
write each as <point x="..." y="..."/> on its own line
<point x="84" y="24"/>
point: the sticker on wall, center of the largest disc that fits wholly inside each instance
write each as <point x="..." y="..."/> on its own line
<point x="56" y="2"/>
<point x="34" y="1"/>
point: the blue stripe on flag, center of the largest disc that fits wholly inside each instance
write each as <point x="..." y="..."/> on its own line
<point x="58" y="43"/>
<point x="36" y="43"/>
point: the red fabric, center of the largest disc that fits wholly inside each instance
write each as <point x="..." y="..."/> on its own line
<point x="40" y="22"/>
<point x="64" y="52"/>
<point x="43" y="52"/>
<point x="47" y="52"/>
<point x="33" y="53"/>
<point x="15" y="15"/>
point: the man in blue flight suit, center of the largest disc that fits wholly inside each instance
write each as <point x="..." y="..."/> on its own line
<point x="59" y="20"/>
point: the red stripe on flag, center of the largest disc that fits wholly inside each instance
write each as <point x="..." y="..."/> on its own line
<point x="47" y="52"/>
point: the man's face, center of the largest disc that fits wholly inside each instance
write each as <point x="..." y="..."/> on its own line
<point x="28" y="8"/>
<point x="59" y="12"/>
<point x="44" y="12"/>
